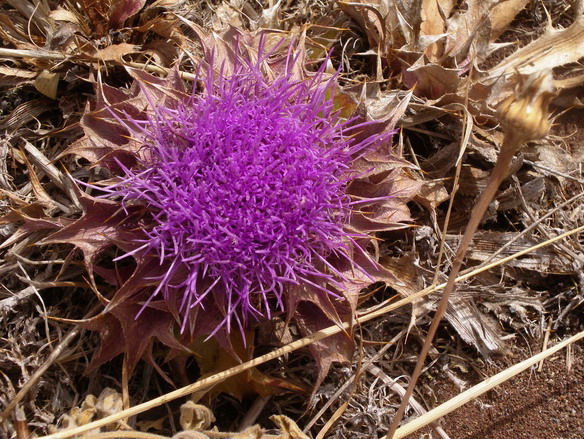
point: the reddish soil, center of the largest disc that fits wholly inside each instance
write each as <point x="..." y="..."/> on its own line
<point x="534" y="405"/>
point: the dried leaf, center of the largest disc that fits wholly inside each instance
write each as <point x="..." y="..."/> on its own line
<point x="226" y="16"/>
<point x="106" y="16"/>
<point x="121" y="10"/>
<point x="11" y="33"/>
<point x="386" y="214"/>
<point x="115" y="52"/>
<point x="156" y="424"/>
<point x="47" y="82"/>
<point x="189" y="434"/>
<point x="469" y="32"/>
<point x="195" y="416"/>
<point x="431" y="195"/>
<point x="432" y="24"/>
<point x="213" y="358"/>
<point x="369" y="17"/>
<point x="33" y="217"/>
<point x="24" y="113"/>
<point x="36" y="12"/>
<point x="472" y="327"/>
<point x="288" y="427"/>
<point x="167" y="28"/>
<point x="61" y="14"/>
<point x="407" y="269"/>
<point x="37" y="187"/>
<point x="503" y="14"/>
<point x="555" y="48"/>
<point x="543" y="260"/>
<point x="121" y="332"/>
<point x="105" y="140"/>
<point x="431" y="81"/>
<point x="101" y="226"/>
<point x="10" y="76"/>
<point x="337" y="348"/>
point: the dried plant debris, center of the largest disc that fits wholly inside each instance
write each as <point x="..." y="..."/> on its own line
<point x="189" y="185"/>
<point x="196" y="421"/>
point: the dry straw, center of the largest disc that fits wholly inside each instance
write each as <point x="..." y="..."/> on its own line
<point x="475" y="391"/>
<point x="327" y="332"/>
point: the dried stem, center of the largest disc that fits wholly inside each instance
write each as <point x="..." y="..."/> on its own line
<point x="523" y="116"/>
<point x="476" y="391"/>
<point x="508" y="149"/>
<point x="41" y="370"/>
<point x="295" y="345"/>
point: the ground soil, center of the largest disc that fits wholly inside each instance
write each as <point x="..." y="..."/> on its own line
<point x="533" y="405"/>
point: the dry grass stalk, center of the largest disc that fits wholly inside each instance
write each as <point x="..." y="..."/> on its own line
<point x="209" y="381"/>
<point x="86" y="60"/>
<point x="55" y="56"/>
<point x="33" y="380"/>
<point x="524" y="117"/>
<point x="475" y="391"/>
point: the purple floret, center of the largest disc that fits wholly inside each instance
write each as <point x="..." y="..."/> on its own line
<point x="245" y="185"/>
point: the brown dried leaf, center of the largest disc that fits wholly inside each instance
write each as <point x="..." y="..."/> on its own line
<point x="167" y="28"/>
<point x="33" y="218"/>
<point x="469" y="32"/>
<point x="11" y="76"/>
<point x="195" y="416"/>
<point x="369" y="16"/>
<point x="433" y="24"/>
<point x="106" y="16"/>
<point x="121" y="10"/>
<point x="115" y="52"/>
<point x="431" y="81"/>
<point x="386" y="107"/>
<point x="288" y="427"/>
<point x="102" y="226"/>
<point x="338" y="348"/>
<point x="24" y="113"/>
<point x="432" y="193"/>
<point x="47" y="82"/>
<point x="503" y="14"/>
<point x="105" y="139"/>
<point x="10" y="32"/>
<point x="190" y="434"/>
<point x="386" y="214"/>
<point x="37" y="187"/>
<point x="122" y="332"/>
<point x="555" y="48"/>
<point x="66" y="39"/>
<point x="461" y="313"/>
<point x="316" y="296"/>
<point x="213" y="358"/>
<point x="65" y="15"/>
<point x="226" y="16"/>
<point x="36" y="12"/>
<point x="543" y="260"/>
<point x="407" y="269"/>
<point x="472" y="327"/>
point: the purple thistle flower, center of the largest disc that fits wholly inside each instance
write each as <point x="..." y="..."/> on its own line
<point x="245" y="185"/>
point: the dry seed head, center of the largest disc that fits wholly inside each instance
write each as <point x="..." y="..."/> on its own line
<point x="525" y="114"/>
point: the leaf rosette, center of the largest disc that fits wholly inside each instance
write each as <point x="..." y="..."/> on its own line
<point x="249" y="196"/>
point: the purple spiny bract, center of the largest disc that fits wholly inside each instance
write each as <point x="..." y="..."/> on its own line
<point x="245" y="184"/>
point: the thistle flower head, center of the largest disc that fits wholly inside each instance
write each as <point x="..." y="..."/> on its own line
<point x="525" y="114"/>
<point x="245" y="185"/>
